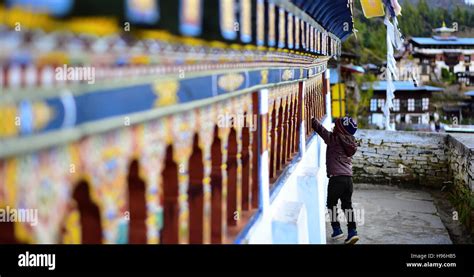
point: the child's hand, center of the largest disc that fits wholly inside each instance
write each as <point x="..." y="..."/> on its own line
<point x="314" y="123"/>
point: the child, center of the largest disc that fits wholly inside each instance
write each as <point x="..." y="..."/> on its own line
<point x="341" y="146"/>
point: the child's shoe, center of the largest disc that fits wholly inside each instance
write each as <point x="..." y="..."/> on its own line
<point x="337" y="234"/>
<point x="352" y="237"/>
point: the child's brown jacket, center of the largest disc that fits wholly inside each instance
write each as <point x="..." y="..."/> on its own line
<point x="340" y="149"/>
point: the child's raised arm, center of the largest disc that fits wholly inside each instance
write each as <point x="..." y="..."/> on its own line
<point x="322" y="132"/>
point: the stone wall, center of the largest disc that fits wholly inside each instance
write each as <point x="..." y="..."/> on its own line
<point x="461" y="159"/>
<point x="401" y="158"/>
<point x="420" y="159"/>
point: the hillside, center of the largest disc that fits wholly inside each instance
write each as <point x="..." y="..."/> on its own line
<point x="418" y="18"/>
<point x="443" y="3"/>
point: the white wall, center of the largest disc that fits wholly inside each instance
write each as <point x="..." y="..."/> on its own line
<point x="425" y="118"/>
<point x="307" y="184"/>
<point x="378" y="119"/>
<point x="460" y="67"/>
<point x="297" y="214"/>
<point x="439" y="68"/>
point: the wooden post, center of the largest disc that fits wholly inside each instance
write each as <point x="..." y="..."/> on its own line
<point x="256" y="137"/>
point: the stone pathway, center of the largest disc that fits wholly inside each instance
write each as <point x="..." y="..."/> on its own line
<point x="389" y="215"/>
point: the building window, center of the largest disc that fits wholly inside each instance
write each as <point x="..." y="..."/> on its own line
<point x="373" y="105"/>
<point x="415" y="119"/>
<point x="467" y="58"/>
<point x="426" y="104"/>
<point x="380" y="103"/>
<point x="403" y="105"/>
<point x="411" y="105"/>
<point x="424" y="69"/>
<point x="418" y="104"/>
<point x="396" y="105"/>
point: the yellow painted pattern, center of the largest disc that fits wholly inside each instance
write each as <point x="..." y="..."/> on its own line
<point x="72" y="232"/>
<point x="8" y="126"/>
<point x="42" y="114"/>
<point x="166" y="92"/>
<point x="10" y="181"/>
<point x="230" y="82"/>
<point x="264" y="79"/>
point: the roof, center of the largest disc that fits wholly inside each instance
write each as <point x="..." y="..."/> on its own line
<point x="461" y="129"/>
<point x="444" y="29"/>
<point x="452" y="108"/>
<point x="352" y="68"/>
<point x="333" y="15"/>
<point x="334" y="73"/>
<point x="349" y="55"/>
<point x="450" y="42"/>
<point x="370" y="66"/>
<point x="400" y="86"/>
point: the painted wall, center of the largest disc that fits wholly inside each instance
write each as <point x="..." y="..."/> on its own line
<point x="305" y="185"/>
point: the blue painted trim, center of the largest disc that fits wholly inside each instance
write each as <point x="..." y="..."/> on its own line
<point x="190" y="30"/>
<point x="134" y="16"/>
<point x="245" y="38"/>
<point x="330" y="14"/>
<point x="399" y="86"/>
<point x="453" y="42"/>
<point x="245" y="231"/>
<point x="311" y="138"/>
<point x="104" y="103"/>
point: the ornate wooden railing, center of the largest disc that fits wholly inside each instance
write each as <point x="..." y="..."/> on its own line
<point x="166" y="151"/>
<point x="180" y="178"/>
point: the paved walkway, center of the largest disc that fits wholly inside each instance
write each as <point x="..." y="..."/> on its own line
<point x="389" y="215"/>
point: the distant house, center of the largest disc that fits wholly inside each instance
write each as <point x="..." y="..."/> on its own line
<point x="443" y="50"/>
<point x="471" y="99"/>
<point x="461" y="112"/>
<point x="468" y="111"/>
<point x="411" y="106"/>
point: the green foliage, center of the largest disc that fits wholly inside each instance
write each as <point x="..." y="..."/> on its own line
<point x="463" y="200"/>
<point x="419" y="20"/>
<point x="448" y="77"/>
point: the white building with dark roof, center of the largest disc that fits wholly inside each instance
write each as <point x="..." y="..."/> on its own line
<point x="411" y="107"/>
<point x="443" y="50"/>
